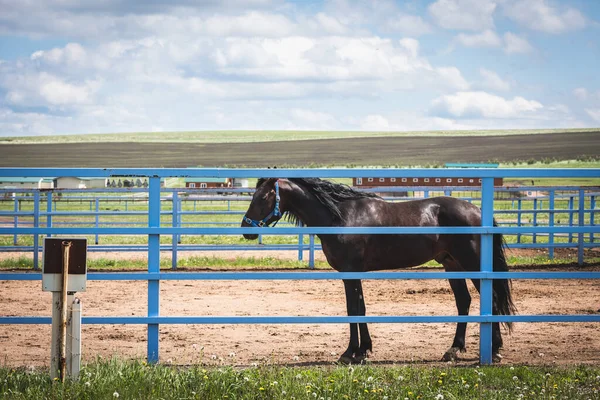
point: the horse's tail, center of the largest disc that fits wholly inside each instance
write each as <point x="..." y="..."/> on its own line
<point x="502" y="287"/>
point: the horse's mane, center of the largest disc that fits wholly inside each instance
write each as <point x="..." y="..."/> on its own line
<point x="327" y="193"/>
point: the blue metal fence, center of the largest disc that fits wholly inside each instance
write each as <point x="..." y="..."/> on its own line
<point x="154" y="230"/>
<point x="542" y="202"/>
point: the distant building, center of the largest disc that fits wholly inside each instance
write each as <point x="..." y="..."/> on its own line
<point x="72" y="182"/>
<point x="26" y="183"/>
<point x="208" y="183"/>
<point x="400" y="181"/>
<point x="369" y="182"/>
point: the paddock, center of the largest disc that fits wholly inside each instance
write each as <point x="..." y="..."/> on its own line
<point x="279" y="317"/>
<point x="306" y="344"/>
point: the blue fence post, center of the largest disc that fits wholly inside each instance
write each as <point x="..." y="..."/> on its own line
<point x="551" y="224"/>
<point x="592" y="215"/>
<point x="300" y="243"/>
<point x="175" y="219"/>
<point x="311" y="253"/>
<point x="16" y="218"/>
<point x="49" y="211"/>
<point x="153" y="266"/>
<point x="571" y="212"/>
<point x="519" y="209"/>
<point x="581" y="220"/>
<point x="97" y="218"/>
<point x="36" y="224"/>
<point x="487" y="220"/>
<point x="535" y="203"/>
<point x="179" y="216"/>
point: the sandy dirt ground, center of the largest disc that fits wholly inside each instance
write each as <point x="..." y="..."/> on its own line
<point x="530" y="343"/>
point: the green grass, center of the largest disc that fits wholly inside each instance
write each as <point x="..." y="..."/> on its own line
<point x="114" y="379"/>
<point x="199" y="263"/>
<point x="265" y="136"/>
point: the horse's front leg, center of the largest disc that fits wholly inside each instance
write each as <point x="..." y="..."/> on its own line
<point x="355" y="304"/>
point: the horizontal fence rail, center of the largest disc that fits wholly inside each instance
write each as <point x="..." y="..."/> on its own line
<point x="153" y="228"/>
<point x="517" y="214"/>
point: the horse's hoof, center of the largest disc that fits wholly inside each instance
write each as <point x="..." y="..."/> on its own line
<point x="451" y="354"/>
<point x="346" y="360"/>
<point x="496" y="357"/>
<point x="361" y="359"/>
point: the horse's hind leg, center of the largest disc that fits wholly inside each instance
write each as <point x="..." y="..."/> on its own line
<point x="463" y="302"/>
<point x="496" y="334"/>
<point x="355" y="304"/>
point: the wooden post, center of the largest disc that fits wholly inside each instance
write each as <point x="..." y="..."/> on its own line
<point x="66" y="246"/>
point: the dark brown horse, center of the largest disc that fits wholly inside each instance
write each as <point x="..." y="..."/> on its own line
<point x="316" y="202"/>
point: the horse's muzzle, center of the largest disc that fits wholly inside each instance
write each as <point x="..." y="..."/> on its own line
<point x="247" y="236"/>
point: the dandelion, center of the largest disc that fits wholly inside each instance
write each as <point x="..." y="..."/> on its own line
<point x="467" y="386"/>
<point x="275" y="383"/>
<point x="512" y="368"/>
<point x="314" y="395"/>
<point x="370" y="379"/>
<point x="88" y="384"/>
<point x="296" y="358"/>
<point x="246" y="379"/>
<point x="440" y="381"/>
<point x="262" y="389"/>
<point x="283" y="392"/>
<point x="232" y="354"/>
<point x="116" y="395"/>
<point x="400" y="378"/>
<point x="214" y="356"/>
<point x="439" y="396"/>
<point x="515" y="378"/>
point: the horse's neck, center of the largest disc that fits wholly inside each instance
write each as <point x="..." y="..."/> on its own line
<point x="307" y="208"/>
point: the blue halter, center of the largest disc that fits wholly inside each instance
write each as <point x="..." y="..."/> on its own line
<point x="275" y="213"/>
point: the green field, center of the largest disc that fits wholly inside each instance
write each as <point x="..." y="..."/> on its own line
<point x="136" y="380"/>
<point x="303" y="149"/>
<point x="266" y="136"/>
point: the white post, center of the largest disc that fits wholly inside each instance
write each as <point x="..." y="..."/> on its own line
<point x="56" y="331"/>
<point x="74" y="352"/>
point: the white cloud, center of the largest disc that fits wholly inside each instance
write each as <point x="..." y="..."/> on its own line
<point x="472" y="15"/>
<point x="484" y="105"/>
<point x="594" y="113"/>
<point x="487" y="38"/>
<point x="581" y="93"/>
<point x="309" y="119"/>
<point x="360" y="16"/>
<point x="60" y="93"/>
<point x="541" y="16"/>
<point x="515" y="44"/>
<point x="493" y="81"/>
<point x="375" y="123"/>
<point x="408" y="24"/>
<point x="453" y="78"/>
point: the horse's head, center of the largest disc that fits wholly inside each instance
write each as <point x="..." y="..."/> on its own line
<point x="264" y="208"/>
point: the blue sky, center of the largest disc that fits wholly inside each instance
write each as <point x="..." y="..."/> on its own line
<point x="72" y="67"/>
